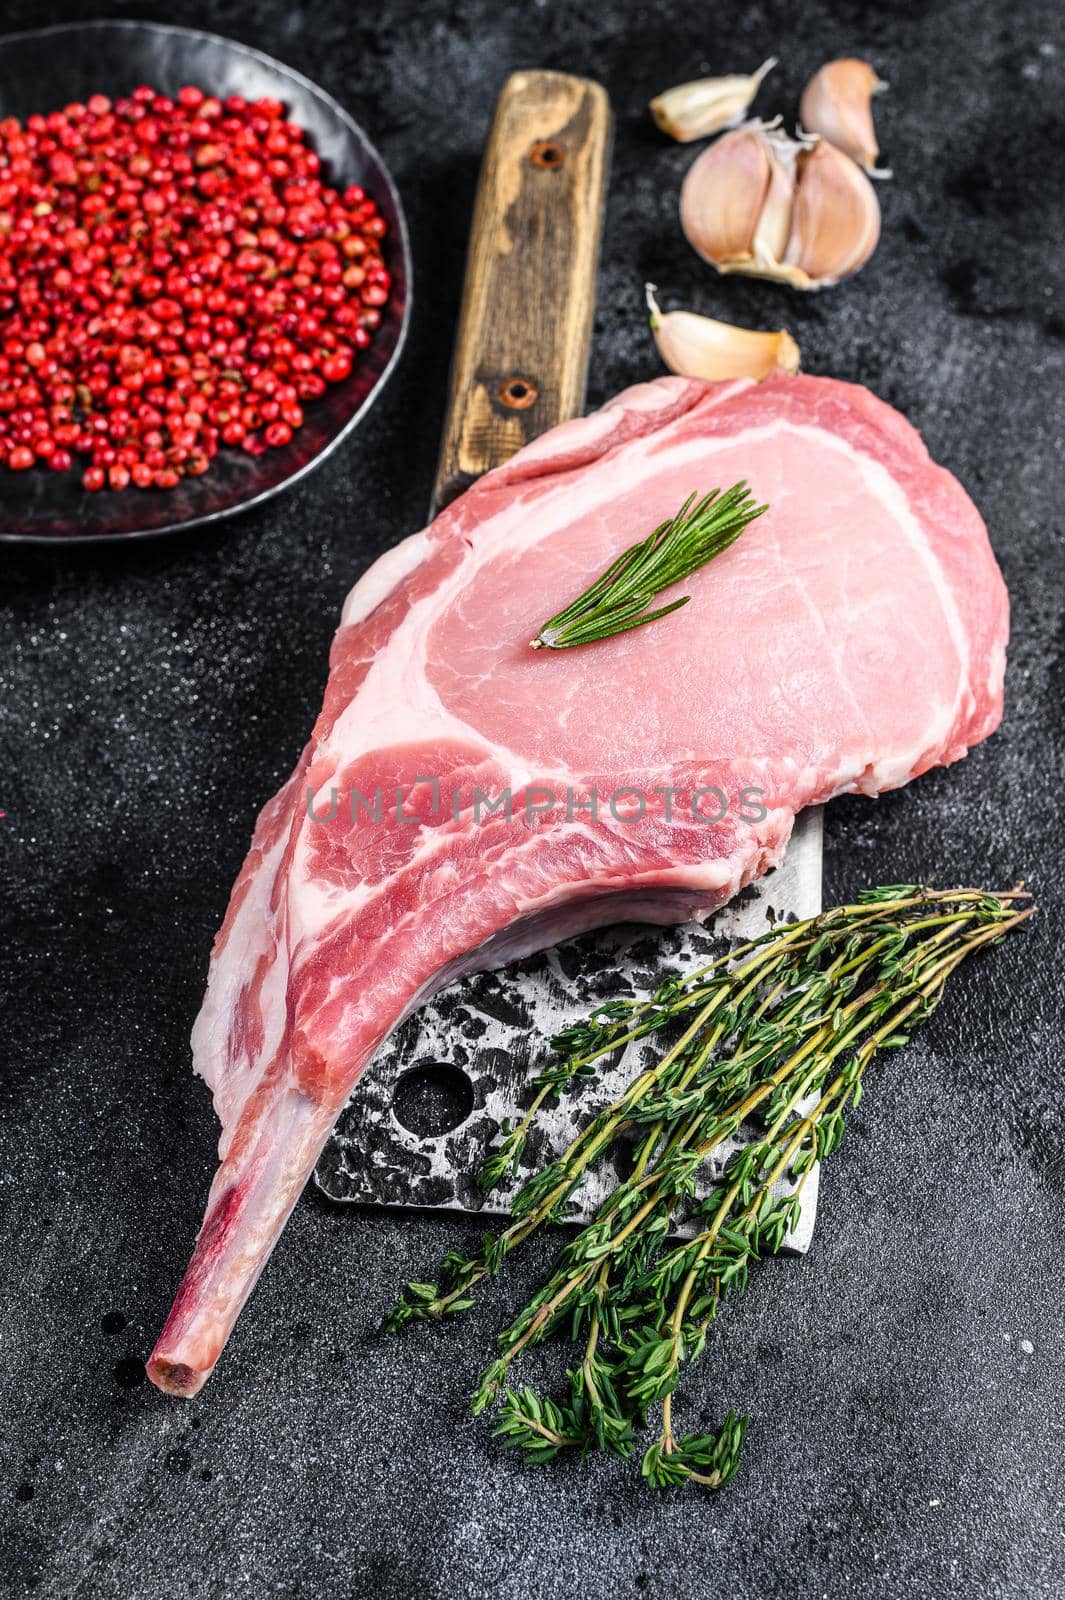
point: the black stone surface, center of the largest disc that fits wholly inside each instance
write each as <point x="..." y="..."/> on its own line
<point x="906" y="1378"/>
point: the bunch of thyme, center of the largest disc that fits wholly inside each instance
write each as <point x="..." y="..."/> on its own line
<point x="769" y="1043"/>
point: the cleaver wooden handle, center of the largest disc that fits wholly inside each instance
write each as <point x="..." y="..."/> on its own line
<point x="521" y="356"/>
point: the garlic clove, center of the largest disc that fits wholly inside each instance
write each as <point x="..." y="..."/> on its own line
<point x="774" y="223"/>
<point x="707" y="105"/>
<point x="835" y="223"/>
<point x="837" y="104"/>
<point x="722" y="197"/>
<point x="700" y="347"/>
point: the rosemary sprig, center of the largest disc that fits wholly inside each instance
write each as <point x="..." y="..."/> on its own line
<point x="771" y="1042"/>
<point x="678" y="547"/>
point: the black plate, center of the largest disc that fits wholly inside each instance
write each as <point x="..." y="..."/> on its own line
<point x="45" y="70"/>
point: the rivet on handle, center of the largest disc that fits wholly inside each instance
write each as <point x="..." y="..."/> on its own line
<point x="518" y="393"/>
<point x="549" y="154"/>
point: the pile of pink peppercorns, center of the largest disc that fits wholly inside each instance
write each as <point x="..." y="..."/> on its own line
<point x="175" y="277"/>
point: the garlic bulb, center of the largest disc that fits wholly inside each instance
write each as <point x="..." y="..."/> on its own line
<point x="798" y="211"/>
<point x="706" y="105"/>
<point x="700" y="347"/>
<point x="837" y="103"/>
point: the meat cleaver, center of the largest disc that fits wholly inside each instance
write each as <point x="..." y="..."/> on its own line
<point x="430" y="1107"/>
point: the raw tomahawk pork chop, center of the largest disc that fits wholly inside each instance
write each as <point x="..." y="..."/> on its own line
<point x="853" y="637"/>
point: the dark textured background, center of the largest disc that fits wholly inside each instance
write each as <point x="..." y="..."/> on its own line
<point x="906" y="1379"/>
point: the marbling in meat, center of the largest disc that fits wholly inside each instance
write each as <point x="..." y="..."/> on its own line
<point x="852" y="638"/>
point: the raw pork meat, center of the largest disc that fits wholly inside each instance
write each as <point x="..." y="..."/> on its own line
<point x="852" y="638"/>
